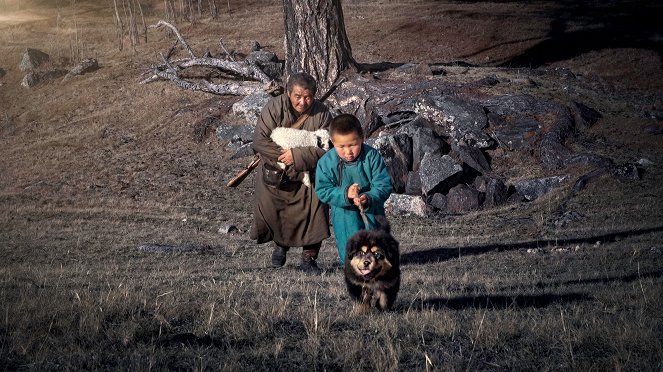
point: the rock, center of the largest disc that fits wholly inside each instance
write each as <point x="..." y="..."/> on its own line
<point x="32" y="58"/>
<point x="537" y="120"/>
<point x="250" y="106"/>
<point x="460" y="120"/>
<point x="438" y="173"/>
<point x="644" y="162"/>
<point x="397" y="154"/>
<point x="515" y="133"/>
<point x="243" y="151"/>
<point x="261" y="56"/>
<point x="471" y="156"/>
<point x="553" y="153"/>
<point x="584" y="116"/>
<point x="33" y="78"/>
<point x="424" y="139"/>
<point x="236" y="133"/>
<point x="406" y="205"/>
<point x="462" y="199"/>
<point x="227" y="228"/>
<point x="439" y="201"/>
<point x="413" y="184"/>
<point x="86" y="65"/>
<point x="533" y="189"/>
<point x="626" y="172"/>
<point x="495" y="191"/>
<point x="567" y="218"/>
<point x="272" y="69"/>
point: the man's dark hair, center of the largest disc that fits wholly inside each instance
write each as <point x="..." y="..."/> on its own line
<point x="345" y="124"/>
<point x="303" y="80"/>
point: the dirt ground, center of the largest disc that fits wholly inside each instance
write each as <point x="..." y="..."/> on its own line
<point x="93" y="167"/>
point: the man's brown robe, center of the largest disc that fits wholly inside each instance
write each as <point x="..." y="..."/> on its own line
<point x="291" y="215"/>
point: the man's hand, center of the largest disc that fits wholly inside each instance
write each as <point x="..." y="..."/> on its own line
<point x="286" y="157"/>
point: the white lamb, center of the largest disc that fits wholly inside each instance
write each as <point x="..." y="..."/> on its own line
<point x="288" y="138"/>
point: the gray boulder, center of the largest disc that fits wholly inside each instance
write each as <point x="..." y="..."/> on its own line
<point x="250" y="106"/>
<point x="413" y="184"/>
<point x="424" y="139"/>
<point x="438" y="173"/>
<point x="227" y="132"/>
<point x="34" y="78"/>
<point x="515" y="133"/>
<point x="529" y="190"/>
<point x="439" y="201"/>
<point x="32" y="58"/>
<point x="523" y="120"/>
<point x="626" y="172"/>
<point x="238" y="137"/>
<point x="472" y="156"/>
<point x="267" y="62"/>
<point x="396" y="151"/>
<point x="261" y="56"/>
<point x="243" y="151"/>
<point x="460" y="120"/>
<point x="86" y="65"/>
<point x="463" y="199"/>
<point x="495" y="191"/>
<point x="406" y="205"/>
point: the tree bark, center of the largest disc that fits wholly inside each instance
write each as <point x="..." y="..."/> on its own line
<point x="315" y="40"/>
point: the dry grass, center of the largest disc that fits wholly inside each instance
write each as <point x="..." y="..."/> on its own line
<point x="94" y="167"/>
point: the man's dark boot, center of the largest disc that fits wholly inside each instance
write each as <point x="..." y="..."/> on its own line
<point x="309" y="255"/>
<point x="279" y="255"/>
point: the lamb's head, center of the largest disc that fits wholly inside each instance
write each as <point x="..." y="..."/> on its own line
<point x="324" y="142"/>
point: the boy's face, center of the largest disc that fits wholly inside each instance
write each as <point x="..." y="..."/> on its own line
<point x="348" y="146"/>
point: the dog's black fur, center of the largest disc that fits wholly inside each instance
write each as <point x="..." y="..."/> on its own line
<point x="372" y="267"/>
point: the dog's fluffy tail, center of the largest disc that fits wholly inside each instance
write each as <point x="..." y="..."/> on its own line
<point x="383" y="224"/>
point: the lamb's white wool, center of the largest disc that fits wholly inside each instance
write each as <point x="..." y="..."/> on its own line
<point x="289" y="138"/>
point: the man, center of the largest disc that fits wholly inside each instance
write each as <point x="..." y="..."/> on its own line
<point x="289" y="213"/>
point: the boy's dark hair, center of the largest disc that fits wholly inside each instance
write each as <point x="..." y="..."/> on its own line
<point x="345" y="124"/>
<point x="303" y="80"/>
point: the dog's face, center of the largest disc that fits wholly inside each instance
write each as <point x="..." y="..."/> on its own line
<point x="370" y="262"/>
<point x="371" y="254"/>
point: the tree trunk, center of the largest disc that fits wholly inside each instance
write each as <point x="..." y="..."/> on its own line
<point x="315" y="40"/>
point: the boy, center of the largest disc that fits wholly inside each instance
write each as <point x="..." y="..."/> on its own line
<point x="352" y="179"/>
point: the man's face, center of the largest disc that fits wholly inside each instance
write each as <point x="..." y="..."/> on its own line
<point x="347" y="146"/>
<point x="301" y="98"/>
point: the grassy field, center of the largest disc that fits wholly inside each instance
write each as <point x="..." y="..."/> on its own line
<point x="76" y="293"/>
<point x="95" y="167"/>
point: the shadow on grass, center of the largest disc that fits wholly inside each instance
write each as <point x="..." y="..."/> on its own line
<point x="579" y="27"/>
<point x="446" y="253"/>
<point x="497" y="302"/>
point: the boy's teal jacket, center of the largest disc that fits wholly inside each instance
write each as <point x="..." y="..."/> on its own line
<point x="333" y="177"/>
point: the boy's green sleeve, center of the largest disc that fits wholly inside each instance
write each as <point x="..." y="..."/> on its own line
<point x="380" y="182"/>
<point x="326" y="186"/>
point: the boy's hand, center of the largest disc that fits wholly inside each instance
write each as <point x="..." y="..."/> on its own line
<point x="361" y="201"/>
<point x="353" y="191"/>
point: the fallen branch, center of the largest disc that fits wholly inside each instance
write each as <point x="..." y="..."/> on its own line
<point x="169" y="70"/>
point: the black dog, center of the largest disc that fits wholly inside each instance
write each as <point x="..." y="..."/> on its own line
<point x="372" y="268"/>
